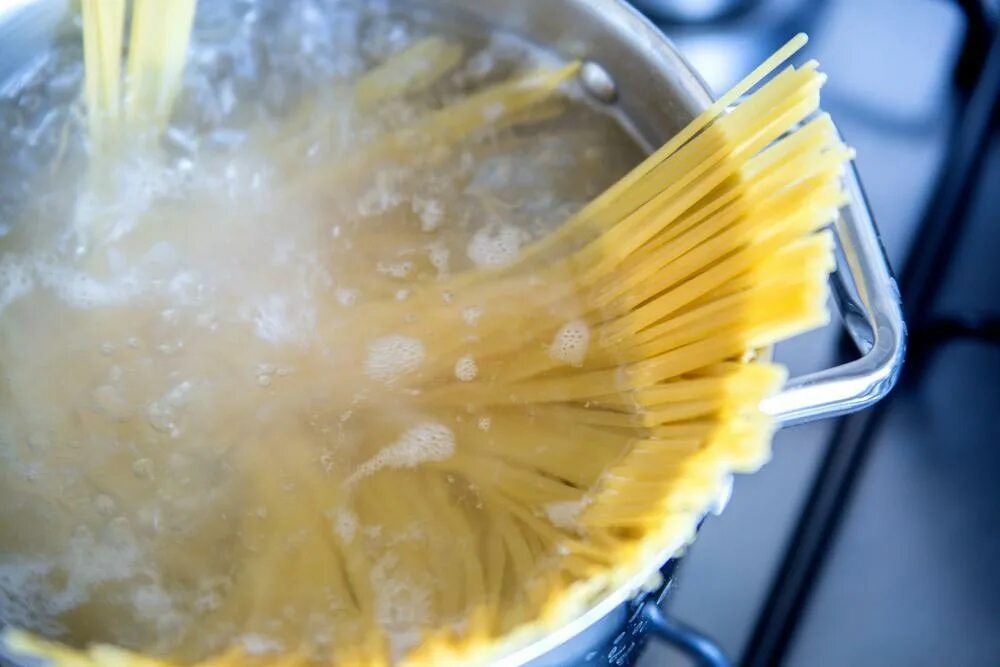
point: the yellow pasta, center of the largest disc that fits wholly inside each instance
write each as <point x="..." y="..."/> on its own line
<point x="569" y="410"/>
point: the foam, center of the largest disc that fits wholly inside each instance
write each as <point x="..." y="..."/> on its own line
<point x="439" y="257"/>
<point x="345" y="523"/>
<point x="84" y="291"/>
<point x="402" y="605"/>
<point x="383" y="196"/>
<point x="566" y="513"/>
<point x="26" y="597"/>
<point x="429" y="210"/>
<point x="423" y="443"/>
<point x="392" y="356"/>
<point x="471" y="315"/>
<point x="495" y="245"/>
<point x="570" y="343"/>
<point x="152" y="603"/>
<point x="257" y="644"/>
<point x="15" y="280"/>
<point x="163" y="414"/>
<point x="345" y="296"/>
<point x="277" y="321"/>
<point x="466" y="369"/>
<point x="395" y="269"/>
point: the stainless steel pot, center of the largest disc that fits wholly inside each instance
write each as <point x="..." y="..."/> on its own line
<point x="638" y="71"/>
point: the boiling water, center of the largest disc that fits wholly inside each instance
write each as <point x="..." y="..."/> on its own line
<point x="195" y="433"/>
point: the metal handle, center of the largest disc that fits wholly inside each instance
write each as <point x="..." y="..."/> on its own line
<point x="868" y="299"/>
<point x="703" y="651"/>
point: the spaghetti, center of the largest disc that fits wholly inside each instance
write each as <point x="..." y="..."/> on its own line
<point x="512" y="440"/>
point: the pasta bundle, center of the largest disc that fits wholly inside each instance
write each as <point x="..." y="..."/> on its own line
<point x="548" y="421"/>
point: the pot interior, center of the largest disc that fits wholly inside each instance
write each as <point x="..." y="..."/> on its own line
<point x="656" y="91"/>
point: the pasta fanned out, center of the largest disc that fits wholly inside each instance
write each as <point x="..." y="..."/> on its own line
<point x="615" y="385"/>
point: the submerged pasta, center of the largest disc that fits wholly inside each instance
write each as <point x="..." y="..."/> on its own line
<point x="359" y="375"/>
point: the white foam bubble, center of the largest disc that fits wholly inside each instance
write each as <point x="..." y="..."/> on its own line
<point x="15" y="280"/>
<point x="401" y="603"/>
<point x="430" y="211"/>
<point x="382" y="196"/>
<point x="439" y="256"/>
<point x="471" y="315"/>
<point x="570" y="343"/>
<point x="423" y="443"/>
<point x="566" y="513"/>
<point x="466" y="369"/>
<point x="495" y="245"/>
<point x="395" y="269"/>
<point x="277" y="320"/>
<point x="84" y="291"/>
<point x="392" y="356"/>
<point x="345" y="296"/>
<point x="345" y="523"/>
<point x="26" y="599"/>
<point x="255" y="644"/>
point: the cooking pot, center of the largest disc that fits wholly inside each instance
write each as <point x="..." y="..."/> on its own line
<point x="635" y="70"/>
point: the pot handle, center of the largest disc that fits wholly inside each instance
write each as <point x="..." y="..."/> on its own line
<point x="868" y="300"/>
<point x="702" y="651"/>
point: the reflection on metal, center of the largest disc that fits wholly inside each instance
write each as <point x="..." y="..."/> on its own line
<point x="871" y="310"/>
<point x="598" y="83"/>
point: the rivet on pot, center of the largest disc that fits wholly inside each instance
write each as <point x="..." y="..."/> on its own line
<point x="598" y="83"/>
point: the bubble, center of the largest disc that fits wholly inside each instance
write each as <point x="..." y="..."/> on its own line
<point x="570" y="343"/>
<point x="395" y="269"/>
<point x="277" y="319"/>
<point x="26" y="597"/>
<point x="430" y="211"/>
<point x="495" y="245"/>
<point x="484" y="423"/>
<point x="15" y="280"/>
<point x="422" y="443"/>
<point x="565" y="514"/>
<point x="345" y="524"/>
<point x="383" y="196"/>
<point x="391" y="356"/>
<point x="471" y="315"/>
<point x="256" y="644"/>
<point x="438" y="254"/>
<point x="345" y="296"/>
<point x="466" y="369"/>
